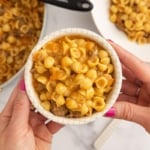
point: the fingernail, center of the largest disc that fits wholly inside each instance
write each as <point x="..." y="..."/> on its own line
<point x="22" y="85"/>
<point x="110" y="41"/>
<point x="110" y="113"/>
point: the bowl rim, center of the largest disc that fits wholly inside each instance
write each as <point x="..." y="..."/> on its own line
<point x="20" y="71"/>
<point x="112" y="97"/>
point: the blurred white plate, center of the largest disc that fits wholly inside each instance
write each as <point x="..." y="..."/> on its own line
<point x="41" y="36"/>
<point x="100" y="14"/>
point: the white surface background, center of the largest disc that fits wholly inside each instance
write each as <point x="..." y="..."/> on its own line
<point x="126" y="136"/>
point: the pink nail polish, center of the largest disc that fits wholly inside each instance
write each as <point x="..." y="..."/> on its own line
<point x="22" y="85"/>
<point x="110" y="113"/>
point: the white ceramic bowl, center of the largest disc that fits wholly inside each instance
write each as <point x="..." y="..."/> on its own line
<point x="112" y="95"/>
<point x="22" y="69"/>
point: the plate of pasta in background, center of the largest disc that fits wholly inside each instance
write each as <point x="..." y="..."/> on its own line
<point x="22" y="24"/>
<point x="126" y="22"/>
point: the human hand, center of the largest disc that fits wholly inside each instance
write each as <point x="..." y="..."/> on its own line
<point x="134" y="101"/>
<point x="22" y="129"/>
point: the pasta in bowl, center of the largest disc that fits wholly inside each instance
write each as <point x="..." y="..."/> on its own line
<point x="73" y="76"/>
<point x="22" y="24"/>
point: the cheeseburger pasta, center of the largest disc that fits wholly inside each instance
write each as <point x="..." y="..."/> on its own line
<point x="133" y="18"/>
<point x="72" y="76"/>
<point x="20" y="27"/>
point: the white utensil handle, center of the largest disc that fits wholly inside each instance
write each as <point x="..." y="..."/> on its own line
<point x="105" y="134"/>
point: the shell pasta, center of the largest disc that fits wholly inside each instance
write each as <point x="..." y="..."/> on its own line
<point x="133" y="18"/>
<point x="72" y="76"/>
<point x="20" y="28"/>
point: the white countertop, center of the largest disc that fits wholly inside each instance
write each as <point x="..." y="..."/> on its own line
<point x="126" y="136"/>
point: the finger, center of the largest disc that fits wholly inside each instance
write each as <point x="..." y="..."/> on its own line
<point x="137" y="66"/>
<point x="144" y="97"/>
<point x="20" y="113"/>
<point x="127" y="98"/>
<point x="132" y="112"/>
<point x="37" y="122"/>
<point x="54" y="127"/>
<point x="7" y="111"/>
<point x="128" y="74"/>
<point x="129" y="88"/>
<point x="42" y="132"/>
<point x="36" y="119"/>
<point x="45" y="132"/>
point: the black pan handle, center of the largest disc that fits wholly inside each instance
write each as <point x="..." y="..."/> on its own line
<point x="80" y="5"/>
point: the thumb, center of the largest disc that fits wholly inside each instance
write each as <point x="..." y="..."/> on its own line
<point x="131" y="112"/>
<point x="20" y="113"/>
